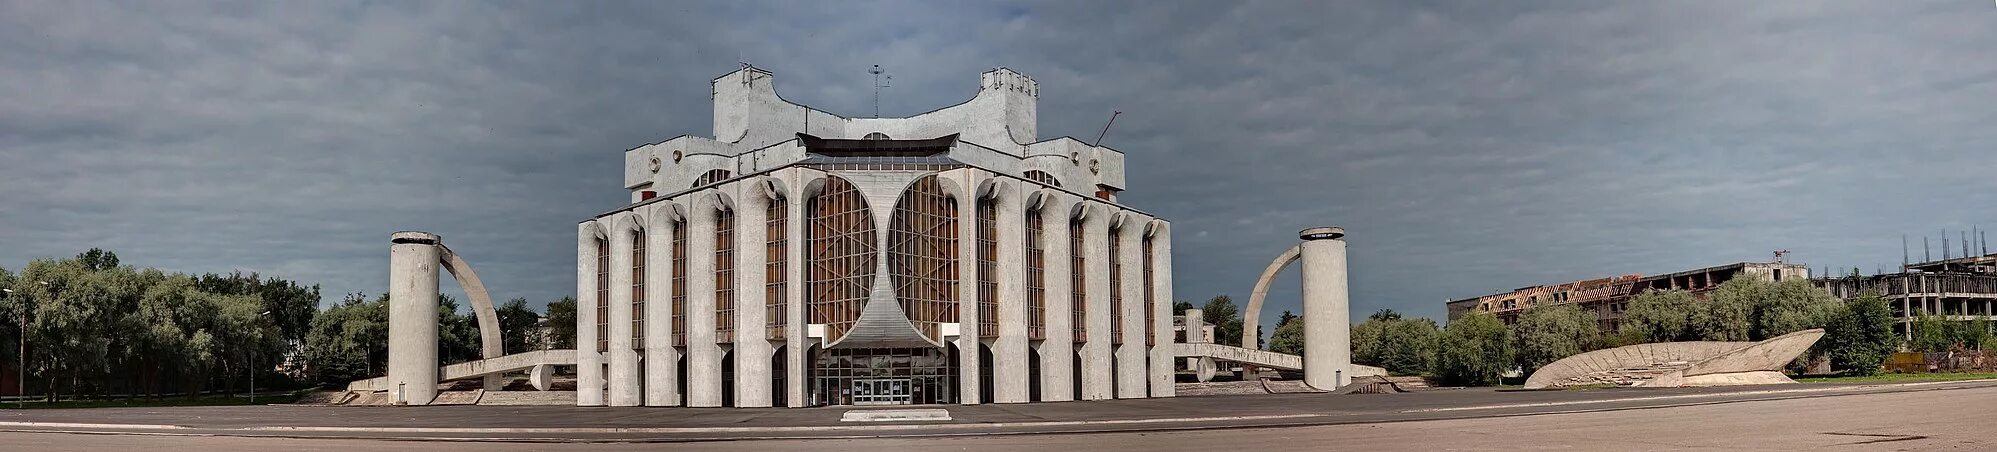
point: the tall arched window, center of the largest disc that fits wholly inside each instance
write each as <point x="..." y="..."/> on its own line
<point x="776" y="251"/>
<point x="987" y="267"/>
<point x="1036" y="278"/>
<point x="724" y="276"/>
<point x="1043" y="177"/>
<point x="922" y="255"/>
<point x="1115" y="289"/>
<point x="1078" y="281"/>
<point x="602" y="295"/>
<point x="679" y="283"/>
<point x="840" y="265"/>
<point x="1150" y="300"/>
<point x="638" y="290"/>
<point x="711" y="177"/>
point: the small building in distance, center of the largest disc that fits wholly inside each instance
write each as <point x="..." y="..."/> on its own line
<point x="1960" y="289"/>
<point x="1609" y="297"/>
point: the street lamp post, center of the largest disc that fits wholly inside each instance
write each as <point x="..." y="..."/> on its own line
<point x="20" y="392"/>
<point x="253" y="362"/>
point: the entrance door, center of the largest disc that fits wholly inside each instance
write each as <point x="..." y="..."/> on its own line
<point x="882" y="391"/>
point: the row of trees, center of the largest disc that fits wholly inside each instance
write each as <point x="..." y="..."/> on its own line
<point x="94" y="326"/>
<point x="1477" y="348"/>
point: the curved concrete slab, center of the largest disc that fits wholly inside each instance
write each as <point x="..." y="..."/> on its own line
<point x="1772" y="354"/>
<point x="488" y="319"/>
<point x="1253" y="316"/>
<point x="1672" y="364"/>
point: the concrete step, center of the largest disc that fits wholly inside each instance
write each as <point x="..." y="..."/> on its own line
<point x="896" y="415"/>
<point x="557" y="398"/>
<point x="1288" y="387"/>
<point x="458" y="397"/>
<point x="370" y="398"/>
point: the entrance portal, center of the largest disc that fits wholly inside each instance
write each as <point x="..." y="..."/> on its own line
<point x="883" y="376"/>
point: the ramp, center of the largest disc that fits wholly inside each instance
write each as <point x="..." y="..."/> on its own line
<point x="1258" y="358"/>
<point x="470" y="369"/>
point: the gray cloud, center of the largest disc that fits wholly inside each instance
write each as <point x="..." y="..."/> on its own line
<point x="1468" y="147"/>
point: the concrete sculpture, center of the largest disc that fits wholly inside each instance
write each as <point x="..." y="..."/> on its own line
<point x="1327" y="360"/>
<point x="413" y="279"/>
<point x="1677" y="364"/>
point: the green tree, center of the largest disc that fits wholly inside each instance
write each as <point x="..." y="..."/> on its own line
<point x="1473" y="351"/>
<point x="562" y="324"/>
<point x="1861" y="336"/>
<point x="291" y="304"/>
<point x="1289" y="335"/>
<point x="1402" y="346"/>
<point x="1660" y="316"/>
<point x="1727" y="313"/>
<point x="349" y="340"/>
<point x="1931" y="334"/>
<point x="457" y="333"/>
<point x="1793" y="305"/>
<point x="1548" y="332"/>
<point x="1976" y="335"/>
<point x="517" y="325"/>
<point x="1180" y="307"/>
<point x="1226" y="320"/>
<point x="98" y="260"/>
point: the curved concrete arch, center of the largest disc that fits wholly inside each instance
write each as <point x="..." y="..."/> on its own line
<point x="488" y="318"/>
<point x="664" y="213"/>
<point x="714" y="200"/>
<point x="628" y="222"/>
<point x="1253" y="315"/>
<point x="773" y="188"/>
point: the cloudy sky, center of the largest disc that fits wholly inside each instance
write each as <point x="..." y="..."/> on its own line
<point x="1467" y="147"/>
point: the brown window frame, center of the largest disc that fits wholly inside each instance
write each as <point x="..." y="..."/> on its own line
<point x="922" y="255"/>
<point x="724" y="276"/>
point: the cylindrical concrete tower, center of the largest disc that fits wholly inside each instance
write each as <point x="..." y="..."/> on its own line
<point x="1327" y="310"/>
<point x="412" y="317"/>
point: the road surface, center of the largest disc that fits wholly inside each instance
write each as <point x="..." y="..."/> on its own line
<point x="1953" y="419"/>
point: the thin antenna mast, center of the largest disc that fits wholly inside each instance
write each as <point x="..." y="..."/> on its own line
<point x="1926" y="254"/>
<point x="1903" y="253"/>
<point x="1112" y="121"/>
<point x="878" y="84"/>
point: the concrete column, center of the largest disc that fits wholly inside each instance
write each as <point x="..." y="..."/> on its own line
<point x="624" y="383"/>
<point x="1131" y="367"/>
<point x="969" y="374"/>
<point x="1057" y="353"/>
<point x="662" y="371"/>
<point x="703" y="354"/>
<point x="1009" y="353"/>
<point x="752" y="349"/>
<point x="589" y="363"/>
<point x="413" y="258"/>
<point x="1163" y="382"/>
<point x="1327" y="310"/>
<point x="795" y="366"/>
<point x="1195" y="333"/>
<point x="1098" y="378"/>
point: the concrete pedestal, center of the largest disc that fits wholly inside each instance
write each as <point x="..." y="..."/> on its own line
<point x="412" y="317"/>
<point x="1327" y="309"/>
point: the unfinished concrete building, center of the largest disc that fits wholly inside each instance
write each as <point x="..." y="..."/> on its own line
<point x="1961" y="289"/>
<point x="1609" y="297"/>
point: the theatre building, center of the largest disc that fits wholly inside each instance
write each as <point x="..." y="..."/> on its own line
<point x="802" y="258"/>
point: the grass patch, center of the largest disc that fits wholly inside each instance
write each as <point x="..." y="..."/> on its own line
<point x="240" y="399"/>
<point x="1901" y="378"/>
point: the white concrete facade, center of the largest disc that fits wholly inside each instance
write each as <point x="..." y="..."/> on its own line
<point x="775" y="161"/>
